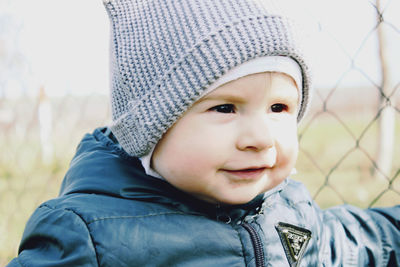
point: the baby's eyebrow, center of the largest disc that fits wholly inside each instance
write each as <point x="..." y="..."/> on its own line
<point x="287" y="97"/>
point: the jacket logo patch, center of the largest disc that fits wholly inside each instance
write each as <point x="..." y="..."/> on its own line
<point x="294" y="240"/>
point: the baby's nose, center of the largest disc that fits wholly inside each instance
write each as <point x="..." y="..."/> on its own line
<point x="255" y="135"/>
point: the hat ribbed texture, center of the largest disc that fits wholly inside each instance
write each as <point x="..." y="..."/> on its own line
<point x="165" y="53"/>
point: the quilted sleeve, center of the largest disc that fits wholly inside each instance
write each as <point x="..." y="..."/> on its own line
<point x="357" y="237"/>
<point x="55" y="237"/>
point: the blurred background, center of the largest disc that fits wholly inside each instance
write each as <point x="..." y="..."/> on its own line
<point x="54" y="88"/>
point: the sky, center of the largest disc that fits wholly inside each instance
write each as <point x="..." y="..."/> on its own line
<point x="63" y="45"/>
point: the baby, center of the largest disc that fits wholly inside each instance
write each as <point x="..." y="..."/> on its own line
<point x="206" y="97"/>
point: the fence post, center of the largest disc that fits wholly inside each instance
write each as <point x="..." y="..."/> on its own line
<point x="386" y="122"/>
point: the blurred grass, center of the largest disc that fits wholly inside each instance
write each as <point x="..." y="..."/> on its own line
<point x="336" y="161"/>
<point x="330" y="163"/>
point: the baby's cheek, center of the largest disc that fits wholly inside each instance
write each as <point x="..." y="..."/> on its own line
<point x="287" y="154"/>
<point x="290" y="155"/>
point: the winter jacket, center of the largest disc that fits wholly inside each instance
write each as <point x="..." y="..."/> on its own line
<point x="109" y="213"/>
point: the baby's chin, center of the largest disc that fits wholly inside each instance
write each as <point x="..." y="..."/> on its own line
<point x="245" y="196"/>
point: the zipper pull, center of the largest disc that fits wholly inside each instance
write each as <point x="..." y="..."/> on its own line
<point x="250" y="218"/>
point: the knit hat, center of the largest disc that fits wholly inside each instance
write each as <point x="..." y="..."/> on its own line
<point x="166" y="53"/>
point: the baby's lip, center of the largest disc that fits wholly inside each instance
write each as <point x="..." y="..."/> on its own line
<point x="249" y="173"/>
<point x="250" y="168"/>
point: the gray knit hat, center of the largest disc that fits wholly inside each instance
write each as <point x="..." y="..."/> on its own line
<point x="165" y="53"/>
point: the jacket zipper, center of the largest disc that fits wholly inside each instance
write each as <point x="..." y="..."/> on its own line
<point x="257" y="245"/>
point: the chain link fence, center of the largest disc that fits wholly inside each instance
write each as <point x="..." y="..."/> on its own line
<point x="349" y="141"/>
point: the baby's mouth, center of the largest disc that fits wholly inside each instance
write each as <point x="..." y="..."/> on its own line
<point x="247" y="174"/>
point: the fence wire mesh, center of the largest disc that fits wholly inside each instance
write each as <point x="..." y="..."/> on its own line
<point x="349" y="141"/>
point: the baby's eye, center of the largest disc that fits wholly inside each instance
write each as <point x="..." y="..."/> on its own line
<point x="277" y="108"/>
<point x="225" y="108"/>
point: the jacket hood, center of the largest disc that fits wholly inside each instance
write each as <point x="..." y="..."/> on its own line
<point x="101" y="166"/>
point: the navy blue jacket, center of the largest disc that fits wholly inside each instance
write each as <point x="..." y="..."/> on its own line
<point x="109" y="213"/>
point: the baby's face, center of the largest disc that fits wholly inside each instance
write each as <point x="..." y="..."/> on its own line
<point x="238" y="141"/>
